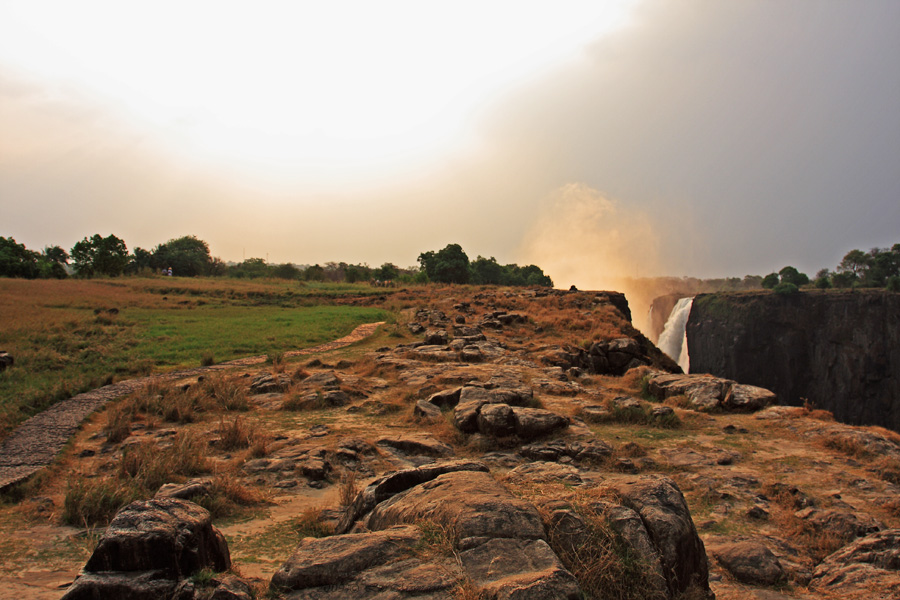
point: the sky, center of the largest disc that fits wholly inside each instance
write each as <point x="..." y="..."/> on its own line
<point x="595" y="139"/>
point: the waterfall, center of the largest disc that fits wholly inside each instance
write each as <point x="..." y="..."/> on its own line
<point x="673" y="339"/>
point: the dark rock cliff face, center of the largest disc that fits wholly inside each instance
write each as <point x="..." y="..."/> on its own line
<point x="839" y="350"/>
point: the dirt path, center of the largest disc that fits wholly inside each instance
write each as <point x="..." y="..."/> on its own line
<point x="35" y="443"/>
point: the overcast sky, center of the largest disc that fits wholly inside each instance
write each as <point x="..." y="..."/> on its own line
<point x="654" y="137"/>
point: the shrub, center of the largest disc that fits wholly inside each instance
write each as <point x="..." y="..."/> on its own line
<point x="118" y="424"/>
<point x="893" y="283"/>
<point x="93" y="501"/>
<point x="605" y="566"/>
<point x="823" y="283"/>
<point x="227" y="496"/>
<point x="207" y="359"/>
<point x="236" y="434"/>
<point x="348" y="489"/>
<point x="226" y="393"/>
<point x="309" y="524"/>
<point x="770" y="281"/>
<point x="149" y="466"/>
<point x="786" y="289"/>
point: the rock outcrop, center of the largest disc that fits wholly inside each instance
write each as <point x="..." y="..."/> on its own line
<point x="149" y="550"/>
<point x="838" y="350"/>
<point x="708" y="393"/>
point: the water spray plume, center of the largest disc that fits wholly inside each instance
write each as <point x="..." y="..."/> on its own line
<point x="582" y="238"/>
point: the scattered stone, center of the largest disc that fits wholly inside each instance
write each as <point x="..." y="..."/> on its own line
<point x="416" y="444"/>
<point x="545" y="472"/>
<point x="185" y="491"/>
<point x="395" y="482"/>
<point x="846" y="526"/>
<point x="268" y="383"/>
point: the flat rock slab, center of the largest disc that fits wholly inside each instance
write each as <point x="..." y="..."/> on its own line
<point x="519" y="569"/>
<point x="471" y="504"/>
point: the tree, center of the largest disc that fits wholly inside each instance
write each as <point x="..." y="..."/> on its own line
<point x="386" y="272"/>
<point x="52" y="261"/>
<point x="843" y="280"/>
<point x="314" y="273"/>
<point x="187" y="256"/>
<point x="792" y="275"/>
<point x="100" y="256"/>
<point x="251" y="268"/>
<point x="16" y="260"/>
<point x="485" y="271"/>
<point x="450" y="265"/>
<point x="286" y="271"/>
<point x="354" y="273"/>
<point x="770" y="281"/>
<point x="854" y="263"/>
<point x="140" y="260"/>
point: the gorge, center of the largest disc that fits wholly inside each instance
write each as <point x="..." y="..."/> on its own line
<point x="834" y="350"/>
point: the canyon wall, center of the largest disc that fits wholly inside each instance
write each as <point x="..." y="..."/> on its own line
<point x="839" y="350"/>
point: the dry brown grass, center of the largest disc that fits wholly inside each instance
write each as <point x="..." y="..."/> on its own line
<point x="347" y="488"/>
<point x="118" y="423"/>
<point x="236" y="434"/>
<point x="604" y="565"/>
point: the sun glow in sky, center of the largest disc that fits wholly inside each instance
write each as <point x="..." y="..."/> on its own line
<point x="308" y="90"/>
<point x="718" y="138"/>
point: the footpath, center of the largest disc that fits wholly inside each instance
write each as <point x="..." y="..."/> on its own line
<point x="35" y="443"/>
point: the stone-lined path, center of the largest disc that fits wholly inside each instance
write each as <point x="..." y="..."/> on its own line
<point x="35" y="443"/>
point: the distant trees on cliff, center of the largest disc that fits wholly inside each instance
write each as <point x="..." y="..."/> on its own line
<point x="452" y="265"/>
<point x="879" y="267"/>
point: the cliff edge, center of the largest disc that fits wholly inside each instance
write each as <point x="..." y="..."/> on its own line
<point x="839" y="350"/>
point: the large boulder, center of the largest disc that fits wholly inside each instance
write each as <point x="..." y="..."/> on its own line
<point x="750" y="562"/>
<point x="148" y="547"/>
<point x="708" y="393"/>
<point x="667" y="519"/>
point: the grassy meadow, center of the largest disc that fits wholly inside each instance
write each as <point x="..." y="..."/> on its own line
<point x="68" y="336"/>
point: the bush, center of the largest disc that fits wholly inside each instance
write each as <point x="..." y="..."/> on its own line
<point x="893" y="284"/>
<point x="823" y="283"/>
<point x="785" y="289"/>
<point x="91" y="502"/>
<point x="770" y="281"/>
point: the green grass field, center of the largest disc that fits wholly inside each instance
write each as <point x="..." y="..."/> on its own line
<point x="73" y="335"/>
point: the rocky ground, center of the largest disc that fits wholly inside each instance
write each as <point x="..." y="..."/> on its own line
<point x="490" y="444"/>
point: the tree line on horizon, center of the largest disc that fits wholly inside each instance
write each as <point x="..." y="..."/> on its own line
<point x="188" y="256"/>
<point x="877" y="268"/>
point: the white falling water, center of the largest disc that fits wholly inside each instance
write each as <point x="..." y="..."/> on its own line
<point x="673" y="339"/>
